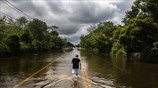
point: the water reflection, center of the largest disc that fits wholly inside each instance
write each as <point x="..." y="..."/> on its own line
<point x="105" y="71"/>
<point x="16" y="68"/>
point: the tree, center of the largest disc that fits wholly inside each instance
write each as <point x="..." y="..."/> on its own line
<point x="133" y="13"/>
<point x="53" y="28"/>
<point x="38" y="28"/>
<point x="26" y="37"/>
<point x="150" y="7"/>
<point x="69" y="44"/>
<point x="22" y="22"/>
<point x="13" y="42"/>
<point x="141" y="27"/>
<point x="100" y="38"/>
<point x="23" y="36"/>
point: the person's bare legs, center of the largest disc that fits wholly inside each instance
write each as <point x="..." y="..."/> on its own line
<point x="76" y="74"/>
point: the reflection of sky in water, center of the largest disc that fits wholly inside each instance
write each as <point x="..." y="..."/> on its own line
<point x="102" y="71"/>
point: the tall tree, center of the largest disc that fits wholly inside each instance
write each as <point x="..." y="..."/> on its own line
<point x="141" y="28"/>
<point x="22" y="22"/>
<point x="38" y="28"/>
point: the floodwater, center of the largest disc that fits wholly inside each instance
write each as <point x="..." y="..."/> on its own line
<point x="53" y="70"/>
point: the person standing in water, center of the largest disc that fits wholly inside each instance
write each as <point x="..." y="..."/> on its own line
<point x="76" y="65"/>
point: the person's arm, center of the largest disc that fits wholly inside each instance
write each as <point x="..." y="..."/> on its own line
<point x="72" y="61"/>
<point x="80" y="65"/>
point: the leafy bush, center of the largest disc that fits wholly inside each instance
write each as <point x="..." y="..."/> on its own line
<point x="13" y="42"/>
<point x="4" y="49"/>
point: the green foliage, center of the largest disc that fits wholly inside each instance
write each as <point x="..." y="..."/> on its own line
<point x="22" y="22"/>
<point x="38" y="28"/>
<point x="21" y="36"/>
<point x="100" y="38"/>
<point x="55" y="33"/>
<point x="26" y="37"/>
<point x="138" y="34"/>
<point x="68" y="44"/>
<point x="141" y="30"/>
<point x="118" y="49"/>
<point x="151" y="8"/>
<point x="13" y="42"/>
<point x="155" y="49"/>
<point x="57" y="42"/>
<point x="3" y="48"/>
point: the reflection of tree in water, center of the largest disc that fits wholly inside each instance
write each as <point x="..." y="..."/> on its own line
<point x="76" y="83"/>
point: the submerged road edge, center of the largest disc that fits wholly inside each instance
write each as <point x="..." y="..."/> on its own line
<point x="35" y="73"/>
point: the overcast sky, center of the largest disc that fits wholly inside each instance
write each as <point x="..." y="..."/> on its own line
<point x="73" y="17"/>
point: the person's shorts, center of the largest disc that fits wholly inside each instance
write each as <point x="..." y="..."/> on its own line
<point x="74" y="71"/>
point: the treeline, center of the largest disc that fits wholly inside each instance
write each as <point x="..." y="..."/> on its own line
<point x="22" y="35"/>
<point x="139" y="33"/>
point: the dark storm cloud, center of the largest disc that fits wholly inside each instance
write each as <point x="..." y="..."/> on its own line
<point x="124" y="5"/>
<point x="68" y="29"/>
<point x="29" y="7"/>
<point x="74" y="38"/>
<point x="90" y="13"/>
<point x="57" y="7"/>
<point x="72" y="16"/>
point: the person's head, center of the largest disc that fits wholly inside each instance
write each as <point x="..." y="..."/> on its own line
<point x="76" y="55"/>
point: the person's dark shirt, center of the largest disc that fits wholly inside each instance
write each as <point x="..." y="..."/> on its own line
<point x="75" y="62"/>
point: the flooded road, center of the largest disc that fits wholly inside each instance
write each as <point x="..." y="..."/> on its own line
<point x="53" y="70"/>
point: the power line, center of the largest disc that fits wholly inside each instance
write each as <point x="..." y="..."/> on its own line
<point x="10" y="4"/>
<point x="7" y="15"/>
<point x="18" y="9"/>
